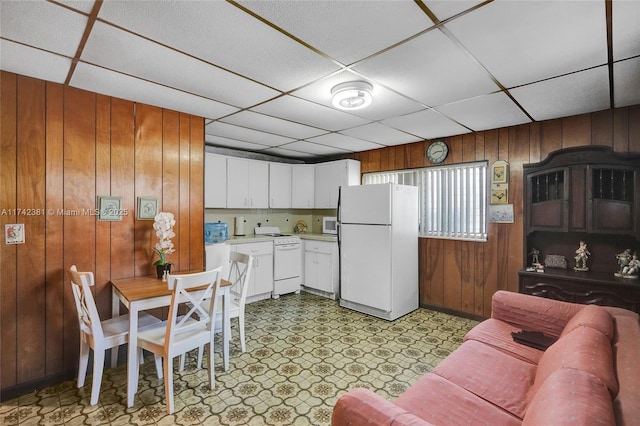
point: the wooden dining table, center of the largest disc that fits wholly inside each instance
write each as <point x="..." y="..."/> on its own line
<point x="142" y="293"/>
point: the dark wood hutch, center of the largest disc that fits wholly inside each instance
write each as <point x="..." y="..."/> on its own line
<point x="590" y="194"/>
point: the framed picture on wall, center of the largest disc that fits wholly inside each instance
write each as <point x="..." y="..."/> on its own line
<point x="147" y="208"/>
<point x="14" y="233"/>
<point x="499" y="193"/>
<point x="501" y="213"/>
<point x="109" y="208"/>
<point x="500" y="172"/>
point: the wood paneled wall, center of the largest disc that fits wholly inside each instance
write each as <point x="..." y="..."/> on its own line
<point x="61" y="148"/>
<point x="462" y="276"/>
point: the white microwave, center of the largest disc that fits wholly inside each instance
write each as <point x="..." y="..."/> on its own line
<point x="329" y="225"/>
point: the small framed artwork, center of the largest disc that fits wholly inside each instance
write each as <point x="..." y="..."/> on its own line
<point x="109" y="208"/>
<point x="501" y="214"/>
<point x="147" y="208"/>
<point x="14" y="233"/>
<point x="499" y="194"/>
<point x="500" y="172"/>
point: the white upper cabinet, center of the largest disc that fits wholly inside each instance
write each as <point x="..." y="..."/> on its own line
<point x="279" y="185"/>
<point x="241" y="183"/>
<point x="215" y="181"/>
<point x="247" y="184"/>
<point x="332" y="175"/>
<point x="303" y="186"/>
<point x="258" y="184"/>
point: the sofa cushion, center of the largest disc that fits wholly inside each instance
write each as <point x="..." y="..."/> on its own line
<point x="490" y="374"/>
<point x="497" y="334"/>
<point x="362" y="406"/>
<point x="593" y="316"/>
<point x="626" y="354"/>
<point x="570" y="397"/>
<point x="584" y="349"/>
<point x="532" y="313"/>
<point x="440" y="402"/>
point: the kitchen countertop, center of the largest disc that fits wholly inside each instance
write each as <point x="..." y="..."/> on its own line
<point x="249" y="238"/>
<point x="253" y="238"/>
<point x="319" y="237"/>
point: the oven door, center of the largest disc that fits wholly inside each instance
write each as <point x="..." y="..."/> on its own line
<point x="287" y="261"/>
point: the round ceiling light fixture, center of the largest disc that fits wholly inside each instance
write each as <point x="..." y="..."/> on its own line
<point x="352" y="95"/>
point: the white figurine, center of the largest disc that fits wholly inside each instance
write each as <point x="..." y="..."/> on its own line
<point x="582" y="254"/>
<point x="632" y="269"/>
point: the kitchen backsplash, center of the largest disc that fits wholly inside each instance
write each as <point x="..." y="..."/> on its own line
<point x="285" y="219"/>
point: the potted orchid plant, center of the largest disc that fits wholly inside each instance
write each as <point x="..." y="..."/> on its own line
<point x="163" y="225"/>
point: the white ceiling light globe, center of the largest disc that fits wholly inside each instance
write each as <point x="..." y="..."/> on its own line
<point x="352" y="95"/>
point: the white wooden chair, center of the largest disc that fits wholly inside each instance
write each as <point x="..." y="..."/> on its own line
<point x="96" y="334"/>
<point x="240" y="269"/>
<point x="179" y="334"/>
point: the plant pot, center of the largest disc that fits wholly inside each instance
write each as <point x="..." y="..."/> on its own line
<point x="161" y="268"/>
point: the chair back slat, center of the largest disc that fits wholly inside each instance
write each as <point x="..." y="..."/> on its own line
<point x="88" y="317"/>
<point x="197" y="318"/>
<point x="239" y="276"/>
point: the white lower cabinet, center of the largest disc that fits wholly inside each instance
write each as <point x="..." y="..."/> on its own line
<point x="261" y="280"/>
<point x="321" y="268"/>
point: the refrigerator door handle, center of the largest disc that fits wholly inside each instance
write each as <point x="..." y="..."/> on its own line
<point x="339" y="229"/>
<point x="339" y="196"/>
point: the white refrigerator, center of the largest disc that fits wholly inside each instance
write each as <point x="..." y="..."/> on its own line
<point x="378" y="242"/>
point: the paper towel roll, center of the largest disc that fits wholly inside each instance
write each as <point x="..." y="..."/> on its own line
<point x="239" y="225"/>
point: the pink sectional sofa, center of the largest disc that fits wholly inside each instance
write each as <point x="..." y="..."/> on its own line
<point x="590" y="375"/>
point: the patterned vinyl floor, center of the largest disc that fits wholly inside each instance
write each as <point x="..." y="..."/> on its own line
<point x="303" y="352"/>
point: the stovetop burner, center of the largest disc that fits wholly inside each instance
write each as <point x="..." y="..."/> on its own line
<point x="274" y="231"/>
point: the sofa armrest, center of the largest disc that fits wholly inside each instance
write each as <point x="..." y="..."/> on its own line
<point x="361" y="406"/>
<point x="533" y="313"/>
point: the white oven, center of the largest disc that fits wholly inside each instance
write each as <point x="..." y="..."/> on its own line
<point x="287" y="265"/>
<point x="287" y="260"/>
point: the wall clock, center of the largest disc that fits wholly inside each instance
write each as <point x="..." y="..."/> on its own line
<point x="437" y="152"/>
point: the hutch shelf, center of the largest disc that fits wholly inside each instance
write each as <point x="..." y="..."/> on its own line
<point x="588" y="194"/>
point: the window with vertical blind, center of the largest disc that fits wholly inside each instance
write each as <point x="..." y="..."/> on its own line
<point x="453" y="198"/>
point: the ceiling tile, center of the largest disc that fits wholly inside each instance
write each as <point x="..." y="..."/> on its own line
<point x="427" y="124"/>
<point x="241" y="133"/>
<point x="626" y="29"/>
<point x="309" y="113"/>
<point x="447" y="8"/>
<point x="524" y="41"/>
<point x="43" y="25"/>
<point x="385" y="101"/>
<point x="429" y="69"/>
<point x="376" y="132"/>
<point x="272" y="125"/>
<point x="100" y="80"/>
<point x="357" y="21"/>
<point x="572" y="94"/>
<point x="27" y="61"/>
<point x="348" y="143"/>
<point x="485" y="112"/>
<point x="233" y="143"/>
<point x="627" y="82"/>
<point x="85" y="6"/>
<point x="313" y="148"/>
<point x="122" y="51"/>
<point x="224" y="35"/>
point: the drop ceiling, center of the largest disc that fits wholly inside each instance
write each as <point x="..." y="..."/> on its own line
<point x="261" y="72"/>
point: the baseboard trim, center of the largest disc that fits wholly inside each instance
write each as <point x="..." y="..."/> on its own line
<point x="12" y="392"/>
<point x="453" y="312"/>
